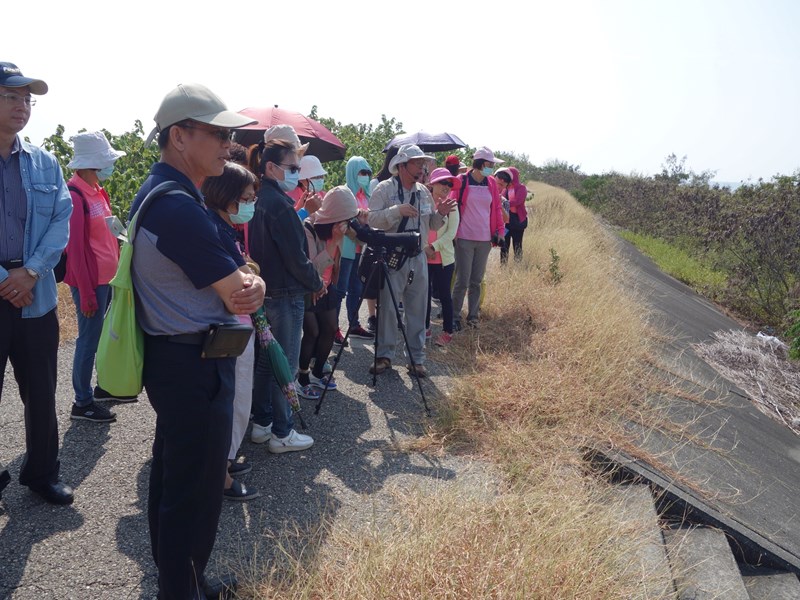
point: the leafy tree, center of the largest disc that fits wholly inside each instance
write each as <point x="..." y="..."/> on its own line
<point x="360" y="139"/>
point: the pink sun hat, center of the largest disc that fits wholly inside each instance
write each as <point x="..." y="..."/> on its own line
<point x="441" y="174"/>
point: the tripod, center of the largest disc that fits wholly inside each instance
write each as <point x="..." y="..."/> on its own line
<point x="379" y="269"/>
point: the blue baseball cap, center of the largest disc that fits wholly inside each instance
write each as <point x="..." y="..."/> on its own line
<point x="11" y="76"/>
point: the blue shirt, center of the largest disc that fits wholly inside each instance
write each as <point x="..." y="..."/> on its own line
<point x="177" y="255"/>
<point x="49" y="207"/>
<point x="13" y="206"/>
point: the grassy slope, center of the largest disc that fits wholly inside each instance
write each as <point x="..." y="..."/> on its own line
<point x="551" y="367"/>
<point x="678" y="263"/>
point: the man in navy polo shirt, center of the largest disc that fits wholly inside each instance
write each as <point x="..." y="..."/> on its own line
<point x="35" y="207"/>
<point x="185" y="280"/>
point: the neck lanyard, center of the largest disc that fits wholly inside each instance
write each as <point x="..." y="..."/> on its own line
<point x="403" y="223"/>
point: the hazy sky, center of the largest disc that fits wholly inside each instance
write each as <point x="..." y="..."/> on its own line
<point x="614" y="85"/>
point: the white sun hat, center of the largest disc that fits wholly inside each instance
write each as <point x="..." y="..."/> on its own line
<point x="92" y="151"/>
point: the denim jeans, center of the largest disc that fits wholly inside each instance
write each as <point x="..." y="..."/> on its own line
<point x="346" y="266"/>
<point x="270" y="405"/>
<point x="354" y="290"/>
<point x="89" y="329"/>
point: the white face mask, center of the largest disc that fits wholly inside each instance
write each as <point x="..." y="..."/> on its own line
<point x="103" y="174"/>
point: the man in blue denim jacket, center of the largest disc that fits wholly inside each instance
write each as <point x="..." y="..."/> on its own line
<point x="35" y="207"/>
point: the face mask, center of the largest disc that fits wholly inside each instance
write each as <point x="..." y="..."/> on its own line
<point x="246" y="212"/>
<point x="104" y="174"/>
<point x="289" y="182"/>
<point x="363" y="181"/>
<point x="487" y="171"/>
<point x="318" y="183"/>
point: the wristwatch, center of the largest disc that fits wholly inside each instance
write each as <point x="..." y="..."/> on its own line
<point x="32" y="273"/>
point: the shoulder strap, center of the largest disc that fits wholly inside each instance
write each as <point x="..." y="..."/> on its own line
<point x="463" y="189"/>
<point x="310" y="228"/>
<point x="72" y="188"/>
<point x="162" y="189"/>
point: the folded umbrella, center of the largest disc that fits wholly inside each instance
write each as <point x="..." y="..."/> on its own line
<point x="280" y="364"/>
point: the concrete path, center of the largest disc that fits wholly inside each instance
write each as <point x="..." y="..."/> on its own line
<point x="735" y="461"/>
<point x="99" y="547"/>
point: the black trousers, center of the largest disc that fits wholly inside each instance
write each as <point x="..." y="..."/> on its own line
<point x="32" y="347"/>
<point x="193" y="400"/>
<point x="513" y="238"/>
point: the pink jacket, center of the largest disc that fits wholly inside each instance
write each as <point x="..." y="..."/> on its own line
<point x="496" y="224"/>
<point x="81" y="262"/>
<point x="520" y="193"/>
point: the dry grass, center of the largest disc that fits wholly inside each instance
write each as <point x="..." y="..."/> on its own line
<point x="552" y="367"/>
<point x="67" y="321"/>
<point x="760" y="367"/>
<point x="456" y="545"/>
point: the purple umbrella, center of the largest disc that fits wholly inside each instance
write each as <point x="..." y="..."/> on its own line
<point x="427" y="142"/>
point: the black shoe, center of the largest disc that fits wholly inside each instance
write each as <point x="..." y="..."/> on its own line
<point x="372" y="324"/>
<point x="456" y="326"/>
<point x="54" y="493"/>
<point x="5" y="479"/>
<point x="92" y="412"/>
<point x="101" y="394"/>
<point x="239" y="492"/>
<point x="223" y="588"/>
<point x="239" y="467"/>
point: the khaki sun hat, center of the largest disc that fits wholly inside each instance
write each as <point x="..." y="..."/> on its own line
<point x="406" y="153"/>
<point x="287" y="134"/>
<point x="339" y="204"/>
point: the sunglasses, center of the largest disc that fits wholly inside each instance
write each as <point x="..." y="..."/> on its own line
<point x="223" y="135"/>
<point x="291" y="168"/>
<point x="445" y="182"/>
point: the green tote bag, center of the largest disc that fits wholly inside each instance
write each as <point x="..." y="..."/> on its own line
<point x="120" y="352"/>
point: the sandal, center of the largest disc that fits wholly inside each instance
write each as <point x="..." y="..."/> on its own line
<point x="381" y="365"/>
<point x="417" y="371"/>
<point x="239" y="492"/>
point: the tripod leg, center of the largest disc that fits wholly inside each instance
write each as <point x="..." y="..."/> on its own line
<point x="373" y="272"/>
<point x="405" y="337"/>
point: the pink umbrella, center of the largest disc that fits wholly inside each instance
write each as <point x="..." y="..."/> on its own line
<point x="322" y="143"/>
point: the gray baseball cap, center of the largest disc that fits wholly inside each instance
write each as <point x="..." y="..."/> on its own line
<point x="198" y="103"/>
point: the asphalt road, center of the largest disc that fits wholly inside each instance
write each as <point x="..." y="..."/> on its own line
<point x="739" y="465"/>
<point x="99" y="547"/>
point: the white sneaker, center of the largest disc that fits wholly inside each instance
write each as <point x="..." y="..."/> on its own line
<point x="322" y="382"/>
<point x="291" y="443"/>
<point x="260" y="434"/>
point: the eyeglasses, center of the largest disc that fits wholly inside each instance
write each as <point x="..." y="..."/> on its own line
<point x="445" y="182"/>
<point x="17" y="99"/>
<point x="291" y="168"/>
<point x="223" y="135"/>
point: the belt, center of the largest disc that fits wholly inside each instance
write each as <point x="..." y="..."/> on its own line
<point x="11" y="264"/>
<point x="190" y="339"/>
